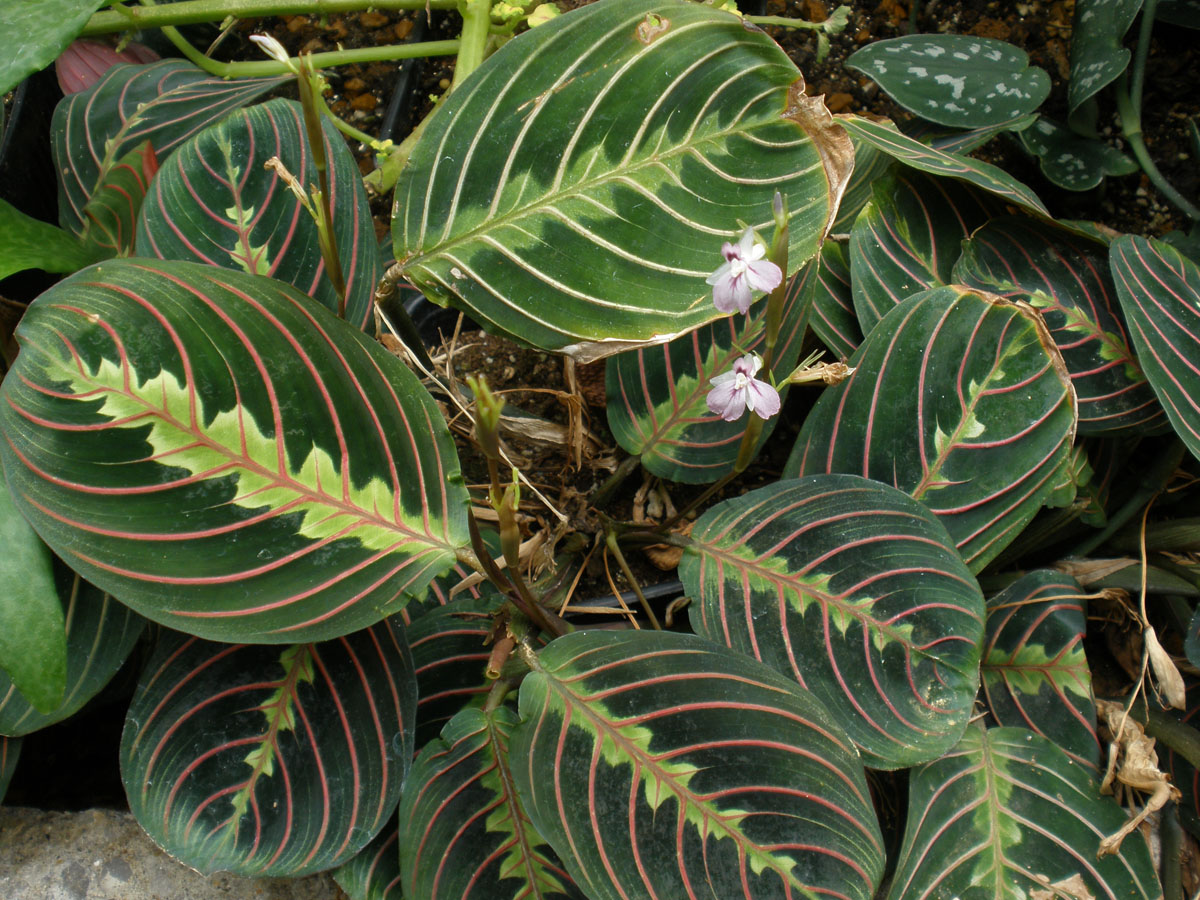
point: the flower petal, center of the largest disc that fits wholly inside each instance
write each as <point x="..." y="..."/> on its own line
<point x="722" y="272"/>
<point x="727" y="294"/>
<point x="762" y="399"/>
<point x="746" y="244"/>
<point x="763" y="275"/>
<point x="727" y="401"/>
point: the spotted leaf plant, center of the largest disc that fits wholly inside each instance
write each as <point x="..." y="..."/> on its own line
<point x="211" y="453"/>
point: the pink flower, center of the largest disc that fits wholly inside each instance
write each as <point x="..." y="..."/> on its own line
<point x="744" y="271"/>
<point x="735" y="392"/>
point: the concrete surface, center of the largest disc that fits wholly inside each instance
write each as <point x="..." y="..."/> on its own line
<point x="102" y="854"/>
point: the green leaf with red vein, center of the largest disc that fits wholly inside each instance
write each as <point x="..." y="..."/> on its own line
<point x="1009" y="814"/>
<point x="1066" y="278"/>
<point x="374" y="872"/>
<point x="662" y="765"/>
<point x="870" y="165"/>
<point x="574" y="192"/>
<point x="216" y="202"/>
<point x="908" y="238"/>
<point x="884" y="136"/>
<point x="101" y="634"/>
<point x="10" y="752"/>
<point x="464" y="832"/>
<point x="113" y="208"/>
<point x="656" y="395"/>
<point x="225" y="455"/>
<point x="164" y="102"/>
<point x="1035" y="674"/>
<point x="450" y="653"/>
<point x="855" y="590"/>
<point x="265" y="760"/>
<point x="833" y="318"/>
<point x="1159" y="290"/>
<point x="960" y="399"/>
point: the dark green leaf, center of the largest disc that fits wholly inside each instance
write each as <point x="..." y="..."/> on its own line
<point x="1071" y="161"/>
<point x="575" y="191"/>
<point x="101" y="633"/>
<point x="1159" y="289"/>
<point x="908" y="237"/>
<point x="33" y="643"/>
<point x="266" y="760"/>
<point x="36" y="33"/>
<point x="225" y="455"/>
<point x="216" y="202"/>
<point x="1097" y="56"/>
<point x="661" y="765"/>
<point x="656" y="395"/>
<point x="464" y="834"/>
<point x="1179" y="12"/>
<point x="29" y="243"/>
<point x="959" y="399"/>
<point x="1035" y="674"/>
<point x="1007" y="814"/>
<point x="855" y="590"/>
<point x="164" y="102"/>
<point x="1066" y="278"/>
<point x="885" y="137"/>
<point x="958" y="80"/>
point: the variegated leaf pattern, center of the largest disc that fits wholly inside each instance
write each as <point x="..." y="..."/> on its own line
<point x="1007" y="814"/>
<point x="464" y="834"/>
<point x="884" y="136"/>
<point x="1097" y="55"/>
<point x="575" y="191"/>
<point x="374" y="872"/>
<point x="1066" y="278"/>
<point x="113" y="208"/>
<point x="833" y="319"/>
<point x="216" y="202"/>
<point x="450" y="652"/>
<point x="1159" y="290"/>
<point x="656" y="395"/>
<point x="224" y="455"/>
<point x="266" y="760"/>
<point x="101" y="633"/>
<point x="908" y="238"/>
<point x="10" y="752"/>
<point x="659" y="764"/>
<point x="164" y="103"/>
<point x="1035" y="674"/>
<point x="961" y="400"/>
<point x="855" y="590"/>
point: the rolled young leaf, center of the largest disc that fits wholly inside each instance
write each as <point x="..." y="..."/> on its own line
<point x="464" y="834"/>
<point x="1007" y="814"/>
<point x="960" y="399"/>
<point x="662" y="765"/>
<point x="574" y="192"/>
<point x="1159" y="292"/>
<point x="225" y="455"/>
<point x="265" y="760"/>
<point x="855" y="590"/>
<point x="216" y="202"/>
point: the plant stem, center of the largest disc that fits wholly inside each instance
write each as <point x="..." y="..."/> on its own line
<point x="326" y="60"/>
<point x="1183" y="739"/>
<point x="615" y="548"/>
<point x="477" y="24"/>
<point x="1172" y="853"/>
<point x="1140" y="54"/>
<point x="188" y="12"/>
<point x="615" y="480"/>
<point x="1131" y="130"/>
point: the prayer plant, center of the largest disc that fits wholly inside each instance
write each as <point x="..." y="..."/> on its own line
<point x="207" y="445"/>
